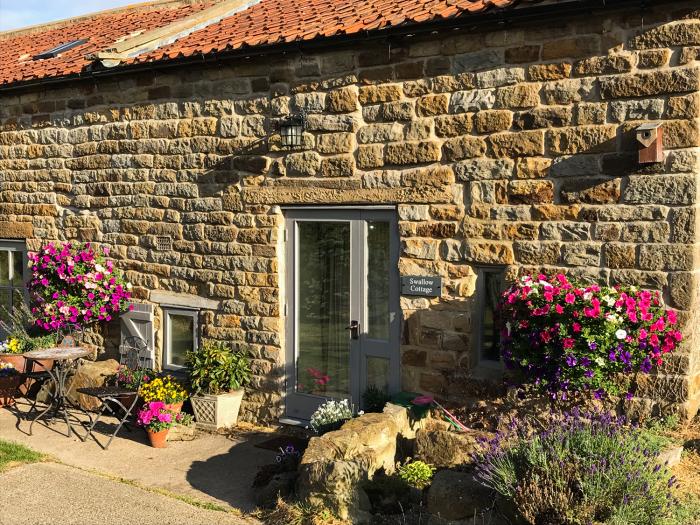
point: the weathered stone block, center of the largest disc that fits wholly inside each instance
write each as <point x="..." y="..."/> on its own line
<point x="548" y="72"/>
<point x="473" y="100"/>
<point x="591" y="191"/>
<point x="343" y="100"/>
<point x="525" y="143"/>
<point x="381" y="93"/>
<point x="566" y="231"/>
<point x="681" y="33"/>
<point x="647" y="84"/>
<point x="530" y="192"/>
<point x="532" y="167"/>
<point x="581" y="254"/>
<point x="605" y="65"/>
<point x="432" y="105"/>
<point x="537" y="252"/>
<point x="620" y="255"/>
<point x="488" y="252"/>
<point x="479" y="169"/>
<point x="653" y="58"/>
<point x="412" y="153"/>
<point x="305" y="164"/>
<point x="523" y="54"/>
<point x="490" y="121"/>
<point x="518" y="97"/>
<point x="453" y="125"/>
<point x="568" y="91"/>
<point x="666" y="257"/>
<point x="660" y="189"/>
<point x="420" y="248"/>
<point x="341" y="166"/>
<point x="543" y="117"/>
<point x="463" y="148"/>
<point x="370" y="156"/>
<point x="335" y="143"/>
<point x="571" y="47"/>
<point x="647" y="109"/>
<point x="504" y="76"/>
<point x="582" y="139"/>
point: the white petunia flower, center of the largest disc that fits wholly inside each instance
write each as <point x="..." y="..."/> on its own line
<point x="621" y="334"/>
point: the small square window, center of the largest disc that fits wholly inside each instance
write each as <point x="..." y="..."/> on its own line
<point x="490" y="285"/>
<point x="180" y="336"/>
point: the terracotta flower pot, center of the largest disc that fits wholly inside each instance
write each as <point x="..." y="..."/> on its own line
<point x="175" y="407"/>
<point x="16" y="360"/>
<point x="158" y="439"/>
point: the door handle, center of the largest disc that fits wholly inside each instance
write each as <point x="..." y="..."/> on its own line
<point x="354" y="329"/>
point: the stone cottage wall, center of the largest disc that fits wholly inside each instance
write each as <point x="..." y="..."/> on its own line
<point x="510" y="147"/>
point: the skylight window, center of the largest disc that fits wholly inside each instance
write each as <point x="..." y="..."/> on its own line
<point x="60" y="49"/>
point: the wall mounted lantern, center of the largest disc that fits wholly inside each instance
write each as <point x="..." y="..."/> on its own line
<point x="292" y="129"/>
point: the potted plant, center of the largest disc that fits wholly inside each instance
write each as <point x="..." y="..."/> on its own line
<point x="10" y="380"/>
<point x="330" y="416"/>
<point x="167" y="390"/>
<point x="217" y="375"/>
<point x="131" y="380"/>
<point x="157" y="420"/>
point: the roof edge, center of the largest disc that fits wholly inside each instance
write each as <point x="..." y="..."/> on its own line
<point x="57" y="24"/>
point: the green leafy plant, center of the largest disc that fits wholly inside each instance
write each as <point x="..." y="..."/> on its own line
<point x="374" y="399"/>
<point x="417" y="474"/>
<point x="214" y="368"/>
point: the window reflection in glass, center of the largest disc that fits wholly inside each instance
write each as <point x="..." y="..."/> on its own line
<point x="490" y="328"/>
<point x="378" y="272"/>
<point x="181" y="338"/>
<point x="323" y="308"/>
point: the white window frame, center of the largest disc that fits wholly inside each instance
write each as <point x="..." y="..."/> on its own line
<point x="187" y="312"/>
<point x="487" y="366"/>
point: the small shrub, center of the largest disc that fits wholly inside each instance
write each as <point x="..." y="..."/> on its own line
<point x="374" y="399"/>
<point x="214" y="368"/>
<point x="416" y="474"/>
<point x="300" y="514"/>
<point x="582" y="469"/>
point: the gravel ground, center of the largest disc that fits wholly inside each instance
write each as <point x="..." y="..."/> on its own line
<point x="50" y="493"/>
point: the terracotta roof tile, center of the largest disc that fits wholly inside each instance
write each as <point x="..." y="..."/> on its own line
<point x="265" y="23"/>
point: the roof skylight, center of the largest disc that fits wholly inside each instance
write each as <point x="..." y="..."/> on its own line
<point x="59" y="49"/>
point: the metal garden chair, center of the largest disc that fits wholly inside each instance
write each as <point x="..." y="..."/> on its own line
<point x="116" y="400"/>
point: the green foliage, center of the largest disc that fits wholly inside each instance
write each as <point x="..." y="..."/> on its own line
<point x="14" y="453"/>
<point x="582" y="469"/>
<point x="214" y="368"/>
<point x="417" y="474"/>
<point x="374" y="399"/>
<point x="686" y="512"/>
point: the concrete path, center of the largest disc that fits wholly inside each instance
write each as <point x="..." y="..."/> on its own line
<point x="213" y="468"/>
<point x="48" y="493"/>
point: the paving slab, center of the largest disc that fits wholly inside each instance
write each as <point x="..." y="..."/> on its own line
<point x="48" y="493"/>
<point x="213" y="468"/>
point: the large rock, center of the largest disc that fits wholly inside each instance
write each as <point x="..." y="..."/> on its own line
<point x="335" y="464"/>
<point x="457" y="496"/>
<point x="90" y="374"/>
<point x="442" y="448"/>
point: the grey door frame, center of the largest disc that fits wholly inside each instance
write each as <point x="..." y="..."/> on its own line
<point x="299" y="406"/>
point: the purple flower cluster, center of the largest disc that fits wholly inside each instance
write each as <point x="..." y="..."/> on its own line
<point x="606" y="468"/>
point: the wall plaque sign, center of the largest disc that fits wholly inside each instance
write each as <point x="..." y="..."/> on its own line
<point x="421" y="285"/>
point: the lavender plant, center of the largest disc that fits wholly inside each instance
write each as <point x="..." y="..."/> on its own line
<point x="584" y="468"/>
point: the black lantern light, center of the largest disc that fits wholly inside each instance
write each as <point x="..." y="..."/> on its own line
<point x="292" y="130"/>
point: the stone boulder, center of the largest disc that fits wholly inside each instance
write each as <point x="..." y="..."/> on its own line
<point x="444" y="449"/>
<point x="457" y="496"/>
<point x="335" y="464"/>
<point x="90" y="374"/>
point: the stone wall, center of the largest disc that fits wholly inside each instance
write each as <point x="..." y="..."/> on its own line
<point x="510" y="147"/>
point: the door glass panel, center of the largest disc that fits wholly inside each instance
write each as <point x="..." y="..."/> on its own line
<point x="4" y="267"/>
<point x="378" y="244"/>
<point x="18" y="266"/>
<point x="323" y="308"/>
<point x="181" y="338"/>
<point x="378" y="373"/>
<point x="5" y="308"/>
<point x="491" y="334"/>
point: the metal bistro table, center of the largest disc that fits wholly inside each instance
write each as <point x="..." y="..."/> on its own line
<point x="64" y="358"/>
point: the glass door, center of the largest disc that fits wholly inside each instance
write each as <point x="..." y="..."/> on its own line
<point x="342" y="306"/>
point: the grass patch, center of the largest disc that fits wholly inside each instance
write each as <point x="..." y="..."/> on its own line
<point x="12" y="454"/>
